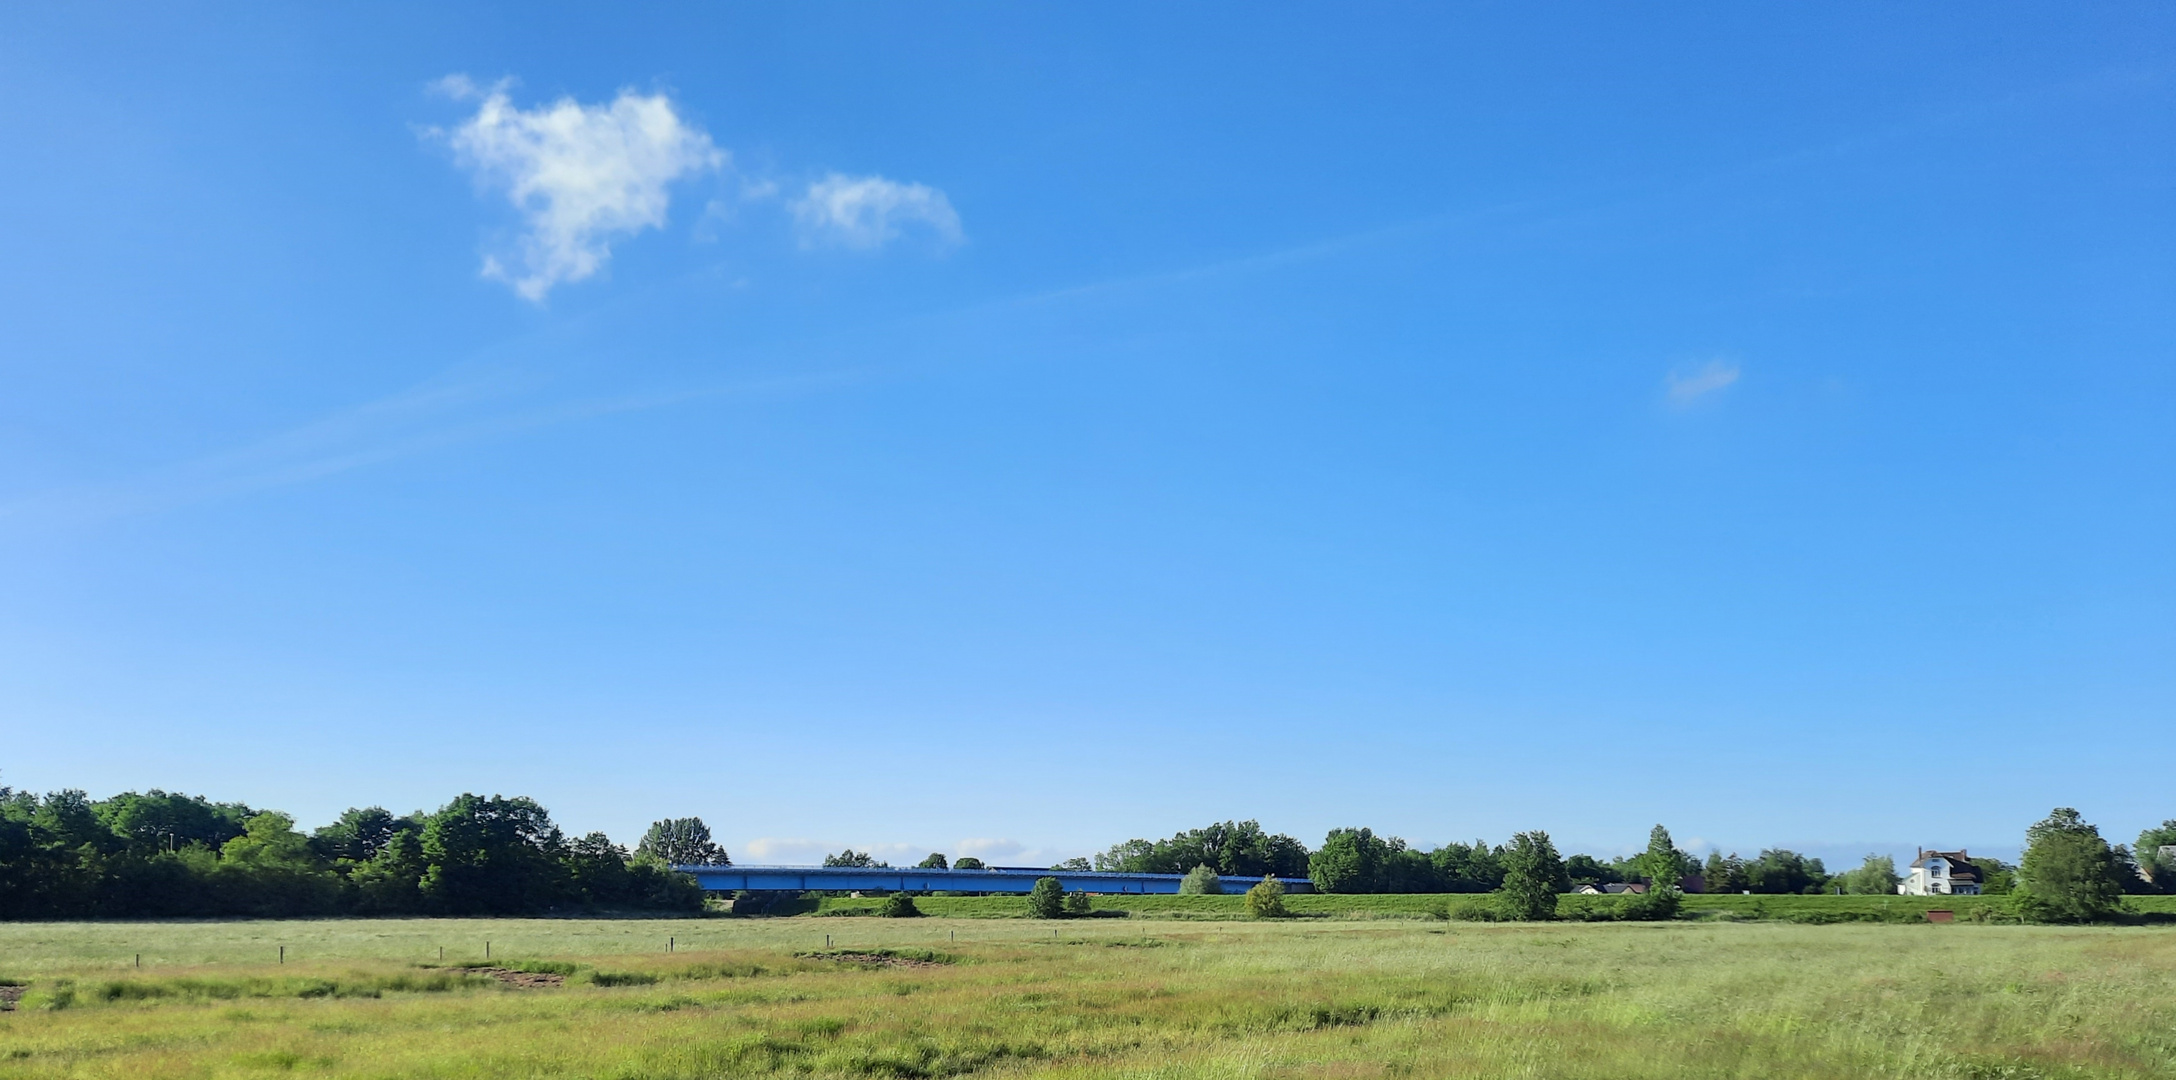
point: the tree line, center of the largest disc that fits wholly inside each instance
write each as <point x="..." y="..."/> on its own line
<point x="1359" y="860"/>
<point x="2069" y="872"/>
<point x="155" y="854"/>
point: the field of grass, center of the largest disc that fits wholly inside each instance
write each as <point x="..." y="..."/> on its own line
<point x="1135" y="997"/>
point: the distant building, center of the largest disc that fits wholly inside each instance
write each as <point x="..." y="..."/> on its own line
<point x="1689" y="883"/>
<point x="1941" y="873"/>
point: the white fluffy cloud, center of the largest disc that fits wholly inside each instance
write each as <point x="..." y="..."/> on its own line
<point x="581" y="176"/>
<point x="869" y="211"/>
<point x="1687" y="387"/>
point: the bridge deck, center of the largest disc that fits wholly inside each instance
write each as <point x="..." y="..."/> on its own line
<point x="1003" y="879"/>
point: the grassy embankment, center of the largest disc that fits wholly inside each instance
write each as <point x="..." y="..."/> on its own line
<point x="1811" y="909"/>
<point x="1139" y="997"/>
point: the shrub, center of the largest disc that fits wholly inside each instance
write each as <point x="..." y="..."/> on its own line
<point x="1047" y="899"/>
<point x="898" y="906"/>
<point x="624" y="978"/>
<point x="1654" y="905"/>
<point x="1202" y="881"/>
<point x="773" y="903"/>
<point x="1076" y="903"/>
<point x="1266" y="899"/>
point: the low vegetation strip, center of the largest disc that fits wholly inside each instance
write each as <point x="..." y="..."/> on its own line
<point x="1803" y="909"/>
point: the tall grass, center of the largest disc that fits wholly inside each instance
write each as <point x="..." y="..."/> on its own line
<point x="1079" y="999"/>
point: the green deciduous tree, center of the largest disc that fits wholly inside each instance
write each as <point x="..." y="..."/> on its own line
<point x="1778" y="871"/>
<point x="159" y="821"/>
<point x="1533" y="878"/>
<point x="682" y="842"/>
<point x="359" y="834"/>
<point x="1997" y="878"/>
<point x="852" y="858"/>
<point x="967" y="862"/>
<point x="1266" y="899"/>
<point x="1726" y="873"/>
<point x="932" y="861"/>
<point x="1349" y="861"/>
<point x="1468" y="868"/>
<point x="1201" y="881"/>
<point x="159" y="854"/>
<point x="1662" y="863"/>
<point x="898" y="906"/>
<point x="652" y="885"/>
<point x="597" y="871"/>
<point x="391" y="883"/>
<point x="1077" y="903"/>
<point x="1359" y="861"/>
<point x="1588" y="870"/>
<point x="495" y="856"/>
<point x="1232" y="848"/>
<point x="270" y="870"/>
<point x="1876" y="876"/>
<point x="2155" y="854"/>
<point x="1047" y="899"/>
<point x="2069" y="873"/>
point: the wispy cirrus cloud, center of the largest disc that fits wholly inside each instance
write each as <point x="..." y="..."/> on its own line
<point x="866" y="212"/>
<point x="581" y="176"/>
<point x="1686" y="387"/>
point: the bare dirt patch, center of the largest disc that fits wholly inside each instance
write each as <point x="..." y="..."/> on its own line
<point x="9" y="995"/>
<point x="527" y="980"/>
<point x="877" y="959"/>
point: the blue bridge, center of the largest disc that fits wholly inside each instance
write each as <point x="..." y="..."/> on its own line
<point x="996" y="879"/>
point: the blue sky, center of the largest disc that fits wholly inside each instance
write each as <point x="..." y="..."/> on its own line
<point x="1013" y="429"/>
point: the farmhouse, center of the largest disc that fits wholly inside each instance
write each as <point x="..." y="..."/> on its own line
<point x="1941" y="873"/>
<point x="1691" y="883"/>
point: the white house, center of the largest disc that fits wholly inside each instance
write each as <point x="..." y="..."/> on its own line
<point x="1941" y="873"/>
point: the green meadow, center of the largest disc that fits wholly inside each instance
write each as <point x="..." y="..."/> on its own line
<point x="1141" y="996"/>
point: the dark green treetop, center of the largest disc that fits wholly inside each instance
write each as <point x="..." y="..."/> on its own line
<point x="682" y="842"/>
<point x="2069" y="873"/>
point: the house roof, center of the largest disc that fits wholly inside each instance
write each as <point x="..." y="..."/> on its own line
<point x="1960" y="864"/>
